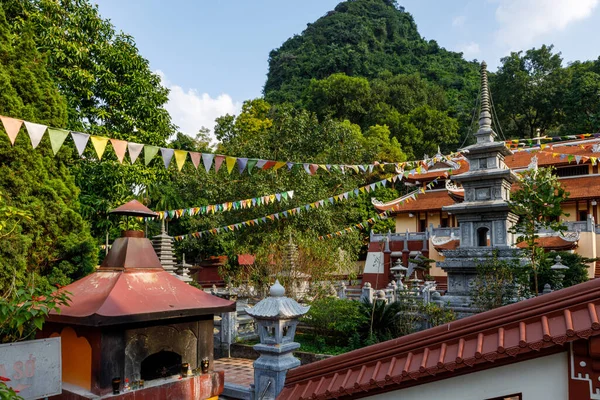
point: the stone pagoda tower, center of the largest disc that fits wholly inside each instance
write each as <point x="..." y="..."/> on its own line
<point x="483" y="217"/>
<point x="163" y="246"/>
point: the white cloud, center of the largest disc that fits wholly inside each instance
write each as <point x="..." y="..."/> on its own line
<point x="469" y="50"/>
<point x="523" y="21"/>
<point x="459" y="20"/>
<point x="192" y="110"/>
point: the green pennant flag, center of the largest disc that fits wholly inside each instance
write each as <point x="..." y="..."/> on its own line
<point x="57" y="138"/>
<point x="284" y="195"/>
<point x="149" y="153"/>
<point x="251" y="164"/>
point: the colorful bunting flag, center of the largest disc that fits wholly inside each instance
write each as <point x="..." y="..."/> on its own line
<point x="99" y="143"/>
<point x="180" y="156"/>
<point x="134" y="151"/>
<point x="57" y="138"/>
<point x="12" y="127"/>
<point x="36" y="132"/>
<point x="120" y="147"/>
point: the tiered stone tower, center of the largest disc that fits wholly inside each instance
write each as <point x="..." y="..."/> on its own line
<point x="163" y="246"/>
<point x="483" y="217"/>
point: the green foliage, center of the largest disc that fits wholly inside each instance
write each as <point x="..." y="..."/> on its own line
<point x="377" y="46"/>
<point x="23" y="311"/>
<point x="335" y="318"/>
<point x="577" y="272"/>
<point x="7" y="393"/>
<point x="537" y="203"/>
<point x="109" y="90"/>
<point x="55" y="241"/>
<point x="498" y="283"/>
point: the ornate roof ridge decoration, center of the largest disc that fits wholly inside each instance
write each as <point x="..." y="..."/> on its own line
<point x="277" y="306"/>
<point x="440" y="158"/>
<point x="451" y="186"/>
<point x="441" y="240"/>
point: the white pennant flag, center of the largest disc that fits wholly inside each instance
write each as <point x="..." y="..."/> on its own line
<point x="36" y="132"/>
<point x="80" y="140"/>
<point x="134" y="150"/>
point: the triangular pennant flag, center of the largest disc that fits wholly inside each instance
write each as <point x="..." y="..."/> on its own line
<point x="57" y="138"/>
<point x="230" y="161"/>
<point x="207" y="160"/>
<point x="12" y="127"/>
<point x="195" y="157"/>
<point x="120" y="147"/>
<point x="36" y="132"/>
<point x="149" y="153"/>
<point x="134" y="150"/>
<point x="167" y="155"/>
<point x="218" y="162"/>
<point x="278" y="196"/>
<point x="242" y="164"/>
<point x="80" y="140"/>
<point x="290" y="165"/>
<point x="261" y="163"/>
<point x="306" y="168"/>
<point x="279" y="164"/>
<point x="291" y="194"/>
<point x="284" y="195"/>
<point x="251" y="164"/>
<point x="180" y="156"/>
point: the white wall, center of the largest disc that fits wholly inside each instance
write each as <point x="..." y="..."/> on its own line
<point x="543" y="378"/>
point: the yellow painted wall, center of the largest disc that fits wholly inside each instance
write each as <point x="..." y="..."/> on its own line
<point x="76" y="359"/>
<point x="434" y="255"/>
<point x="404" y="222"/>
<point x="587" y="248"/>
<point x="571" y="210"/>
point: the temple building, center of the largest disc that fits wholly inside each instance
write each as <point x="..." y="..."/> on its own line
<point x="133" y="325"/>
<point x="447" y="188"/>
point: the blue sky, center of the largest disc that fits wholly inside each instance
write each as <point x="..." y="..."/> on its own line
<point x="213" y="54"/>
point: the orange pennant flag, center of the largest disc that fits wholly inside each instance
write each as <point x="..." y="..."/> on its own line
<point x="12" y="127"/>
<point x="119" y="146"/>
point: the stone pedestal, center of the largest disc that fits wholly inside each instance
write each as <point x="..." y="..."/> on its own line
<point x="277" y="317"/>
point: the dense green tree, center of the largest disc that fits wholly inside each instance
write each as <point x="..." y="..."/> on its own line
<point x="110" y="90"/>
<point x="581" y="105"/>
<point x="529" y="92"/>
<point x="537" y="203"/>
<point x="55" y="241"/>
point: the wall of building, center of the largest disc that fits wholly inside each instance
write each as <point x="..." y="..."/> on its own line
<point x="587" y="248"/>
<point x="543" y="378"/>
<point x="404" y="222"/>
<point x="570" y="209"/>
<point x="434" y="255"/>
<point x="76" y="354"/>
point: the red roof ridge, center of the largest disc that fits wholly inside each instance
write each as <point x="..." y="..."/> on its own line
<point x="577" y="308"/>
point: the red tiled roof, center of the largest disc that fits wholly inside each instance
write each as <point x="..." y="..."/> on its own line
<point x="551" y="243"/>
<point x="430" y="200"/>
<point x="131" y="285"/>
<point x="246" y="259"/>
<point x="516" y="330"/>
<point x="584" y="187"/>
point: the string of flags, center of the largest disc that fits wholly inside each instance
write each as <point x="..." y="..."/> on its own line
<point x="566" y="156"/>
<point x="515" y="143"/>
<point x="227" y="206"/>
<point x="360" y="226"/>
<point x="58" y="136"/>
<point x="293" y="211"/>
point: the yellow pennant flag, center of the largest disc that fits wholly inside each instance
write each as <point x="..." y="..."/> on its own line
<point x="180" y="156"/>
<point x="279" y="164"/>
<point x="230" y="161"/>
<point x="99" y="143"/>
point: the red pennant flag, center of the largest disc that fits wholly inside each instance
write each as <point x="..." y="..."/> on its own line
<point x="12" y="127"/>
<point x="119" y="146"/>
<point x="218" y="162"/>
<point x="195" y="158"/>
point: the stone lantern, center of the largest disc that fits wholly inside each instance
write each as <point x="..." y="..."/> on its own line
<point x="559" y="269"/>
<point x="276" y="317"/>
<point x="399" y="270"/>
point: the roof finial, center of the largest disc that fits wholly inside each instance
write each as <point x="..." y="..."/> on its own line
<point x="485" y="132"/>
